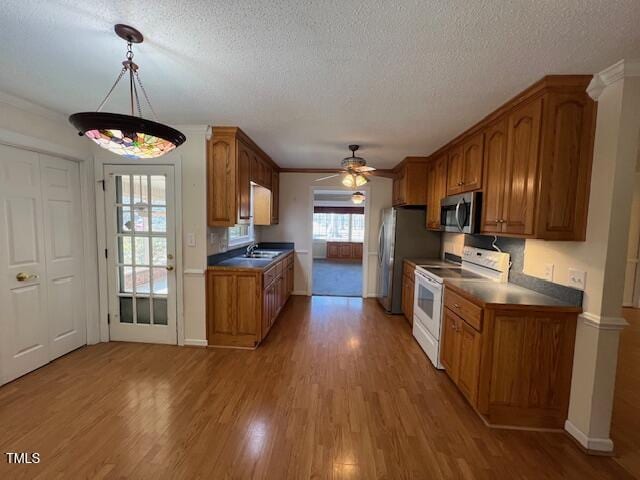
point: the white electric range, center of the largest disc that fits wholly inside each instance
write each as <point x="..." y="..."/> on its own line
<point x="477" y="265"/>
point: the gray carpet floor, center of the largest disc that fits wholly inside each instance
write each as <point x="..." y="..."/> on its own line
<point x="335" y="278"/>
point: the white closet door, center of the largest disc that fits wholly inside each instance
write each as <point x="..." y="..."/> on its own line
<point x="24" y="335"/>
<point x="60" y="181"/>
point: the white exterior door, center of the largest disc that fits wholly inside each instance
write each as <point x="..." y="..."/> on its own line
<point x="140" y="216"/>
<point x="41" y="289"/>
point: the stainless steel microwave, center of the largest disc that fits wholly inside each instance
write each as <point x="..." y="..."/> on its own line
<point x="461" y="213"/>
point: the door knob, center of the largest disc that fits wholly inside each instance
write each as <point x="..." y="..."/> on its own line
<point x="23" y="276"/>
<point x="169" y="267"/>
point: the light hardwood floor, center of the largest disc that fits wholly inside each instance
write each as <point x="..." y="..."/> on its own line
<point x="337" y="390"/>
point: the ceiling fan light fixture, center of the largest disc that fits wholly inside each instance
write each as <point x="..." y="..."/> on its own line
<point x="360" y="180"/>
<point x="357" y="198"/>
<point x="349" y="180"/>
<point x="130" y="136"/>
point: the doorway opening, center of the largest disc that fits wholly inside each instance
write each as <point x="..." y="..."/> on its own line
<point x="339" y="232"/>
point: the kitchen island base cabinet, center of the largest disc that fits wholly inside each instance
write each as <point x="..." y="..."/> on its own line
<point x="243" y="304"/>
<point x="514" y="367"/>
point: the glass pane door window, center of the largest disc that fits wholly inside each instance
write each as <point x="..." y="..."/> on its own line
<point x="141" y="205"/>
<point x="141" y="232"/>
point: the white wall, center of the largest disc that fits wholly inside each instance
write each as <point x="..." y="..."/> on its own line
<point x="296" y="222"/>
<point x="631" y="295"/>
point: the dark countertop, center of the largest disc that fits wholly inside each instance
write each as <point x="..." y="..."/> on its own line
<point x="240" y="262"/>
<point x="490" y="294"/>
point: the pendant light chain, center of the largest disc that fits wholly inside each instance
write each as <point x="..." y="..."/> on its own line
<point x="102" y="104"/>
<point x="146" y="97"/>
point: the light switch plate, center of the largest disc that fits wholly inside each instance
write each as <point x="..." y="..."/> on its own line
<point x="191" y="239"/>
<point x="577" y="278"/>
<point x="547" y="273"/>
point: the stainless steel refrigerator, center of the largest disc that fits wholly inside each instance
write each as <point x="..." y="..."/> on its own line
<point x="403" y="234"/>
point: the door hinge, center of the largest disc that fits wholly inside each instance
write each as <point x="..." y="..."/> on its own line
<point x="102" y="182"/>
<point x="106" y="253"/>
<point x="108" y="319"/>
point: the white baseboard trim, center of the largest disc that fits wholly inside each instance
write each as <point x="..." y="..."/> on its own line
<point x="195" y="342"/>
<point x="603" y="323"/>
<point x="590" y="443"/>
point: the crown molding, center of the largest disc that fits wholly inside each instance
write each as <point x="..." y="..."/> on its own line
<point x="30" y="107"/>
<point x="610" y="75"/>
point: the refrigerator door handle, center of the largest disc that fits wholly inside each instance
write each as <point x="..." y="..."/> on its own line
<point x="380" y="245"/>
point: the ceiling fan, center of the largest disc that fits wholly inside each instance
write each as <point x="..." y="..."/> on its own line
<point x="354" y="168"/>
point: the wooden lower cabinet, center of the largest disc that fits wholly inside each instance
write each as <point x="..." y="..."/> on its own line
<point x="408" y="288"/>
<point x="515" y="370"/>
<point x="344" y="250"/>
<point x="243" y="304"/>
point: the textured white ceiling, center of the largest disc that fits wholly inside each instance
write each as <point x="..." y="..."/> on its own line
<point x="305" y="78"/>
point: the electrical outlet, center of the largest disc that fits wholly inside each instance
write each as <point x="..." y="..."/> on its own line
<point x="547" y="273"/>
<point x="577" y="278"/>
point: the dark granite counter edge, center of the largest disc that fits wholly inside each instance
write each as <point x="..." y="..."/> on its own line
<point x="213" y="260"/>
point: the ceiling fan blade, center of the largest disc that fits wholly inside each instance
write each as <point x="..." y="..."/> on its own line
<point x="327" y="178"/>
<point x="364" y="169"/>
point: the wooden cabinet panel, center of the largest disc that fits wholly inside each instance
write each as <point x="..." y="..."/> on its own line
<point x="472" y="162"/>
<point x="532" y="359"/>
<point x="247" y="304"/>
<point x="233" y="308"/>
<point x="357" y="250"/>
<point x="244" y="183"/>
<point x="569" y="121"/>
<point x="410" y="182"/>
<point x="495" y="158"/>
<point x="450" y="344"/>
<point x="454" y="170"/>
<point x="345" y="250"/>
<point x="469" y="362"/>
<point x="275" y="198"/>
<point x="522" y="165"/>
<point x="333" y="250"/>
<point x="436" y="190"/>
<point x="221" y="177"/>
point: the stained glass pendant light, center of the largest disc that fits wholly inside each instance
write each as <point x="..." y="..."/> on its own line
<point x="128" y="135"/>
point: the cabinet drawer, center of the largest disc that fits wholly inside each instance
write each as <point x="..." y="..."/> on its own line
<point x="468" y="311"/>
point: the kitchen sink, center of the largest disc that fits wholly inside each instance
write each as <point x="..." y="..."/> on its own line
<point x="263" y="254"/>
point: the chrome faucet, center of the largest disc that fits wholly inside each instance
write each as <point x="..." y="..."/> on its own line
<point x="251" y="248"/>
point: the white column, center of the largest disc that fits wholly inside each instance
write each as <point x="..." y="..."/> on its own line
<point x="617" y="137"/>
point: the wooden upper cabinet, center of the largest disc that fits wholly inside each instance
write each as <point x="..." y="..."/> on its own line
<point x="221" y="181"/>
<point x="233" y="162"/>
<point x="566" y="157"/>
<point x="410" y="182"/>
<point x="495" y="159"/>
<point x="436" y="190"/>
<point x="472" y="162"/>
<point x="522" y="164"/>
<point x="244" y="184"/>
<point x="454" y="171"/>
